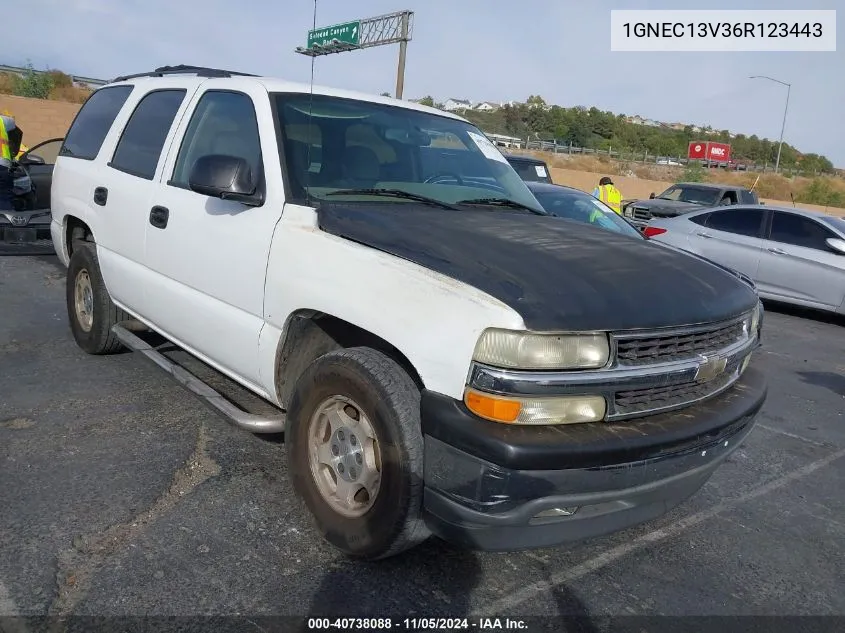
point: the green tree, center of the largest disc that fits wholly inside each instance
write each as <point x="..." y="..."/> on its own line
<point x="33" y="84"/>
<point x="427" y="101"/>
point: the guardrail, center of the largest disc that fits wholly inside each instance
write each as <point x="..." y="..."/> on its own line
<point x="646" y="158"/>
<point x="17" y="70"/>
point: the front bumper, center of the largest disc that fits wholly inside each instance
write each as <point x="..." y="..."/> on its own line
<point x="487" y="485"/>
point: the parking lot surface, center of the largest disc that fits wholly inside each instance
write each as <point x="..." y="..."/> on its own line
<point x="121" y="493"/>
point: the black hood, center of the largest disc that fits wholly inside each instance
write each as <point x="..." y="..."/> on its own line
<point x="666" y="208"/>
<point x="557" y="274"/>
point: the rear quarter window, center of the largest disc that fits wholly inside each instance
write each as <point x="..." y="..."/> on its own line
<point x="93" y="122"/>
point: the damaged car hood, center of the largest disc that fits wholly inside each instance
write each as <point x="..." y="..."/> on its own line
<point x="557" y="274"/>
<point x="666" y="208"/>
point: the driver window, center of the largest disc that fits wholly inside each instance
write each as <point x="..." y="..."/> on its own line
<point x="222" y="123"/>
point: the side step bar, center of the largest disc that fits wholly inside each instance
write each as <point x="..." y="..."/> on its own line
<point x="240" y="418"/>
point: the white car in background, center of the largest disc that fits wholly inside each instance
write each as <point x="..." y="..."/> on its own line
<point x="793" y="255"/>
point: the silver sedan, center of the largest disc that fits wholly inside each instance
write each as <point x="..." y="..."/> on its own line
<point x="793" y="255"/>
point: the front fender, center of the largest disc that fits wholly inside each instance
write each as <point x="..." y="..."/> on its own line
<point x="435" y="321"/>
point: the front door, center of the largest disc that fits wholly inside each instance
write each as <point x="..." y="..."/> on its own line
<point x="208" y="256"/>
<point x="798" y="265"/>
<point x="731" y="237"/>
<point x="39" y="162"/>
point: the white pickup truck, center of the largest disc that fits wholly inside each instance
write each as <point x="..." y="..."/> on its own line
<point x="444" y="356"/>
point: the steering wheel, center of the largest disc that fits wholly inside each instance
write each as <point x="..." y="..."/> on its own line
<point x="444" y="174"/>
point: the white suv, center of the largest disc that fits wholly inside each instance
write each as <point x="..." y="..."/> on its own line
<point x="445" y="357"/>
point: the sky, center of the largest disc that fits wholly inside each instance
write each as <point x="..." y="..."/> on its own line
<point x="483" y="50"/>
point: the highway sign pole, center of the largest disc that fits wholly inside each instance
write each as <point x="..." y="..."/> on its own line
<point x="392" y="28"/>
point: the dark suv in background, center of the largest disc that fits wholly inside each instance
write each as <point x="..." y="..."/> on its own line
<point x="530" y="169"/>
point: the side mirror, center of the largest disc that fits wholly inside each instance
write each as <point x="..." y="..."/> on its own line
<point x="31" y="159"/>
<point x="225" y="177"/>
<point x="836" y="244"/>
<point x="651" y="196"/>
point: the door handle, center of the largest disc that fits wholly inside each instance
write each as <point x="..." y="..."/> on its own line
<point x="703" y="234"/>
<point x="776" y="251"/>
<point x="159" y="216"/>
<point x="101" y="196"/>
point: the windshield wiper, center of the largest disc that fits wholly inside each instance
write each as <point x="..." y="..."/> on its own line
<point x="502" y="202"/>
<point x="393" y="193"/>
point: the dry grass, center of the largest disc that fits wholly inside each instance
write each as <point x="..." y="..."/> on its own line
<point x="71" y="94"/>
<point x="62" y="91"/>
<point x="637" y="180"/>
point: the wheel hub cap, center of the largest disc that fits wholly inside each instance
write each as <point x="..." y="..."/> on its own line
<point x="344" y="456"/>
<point x="84" y="300"/>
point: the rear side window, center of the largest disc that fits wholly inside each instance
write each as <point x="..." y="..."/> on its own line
<point x="737" y="221"/>
<point x="222" y="123"/>
<point x="143" y="137"/>
<point x="93" y="122"/>
<point x="531" y="172"/>
<point x="789" y="228"/>
<point x="700" y="219"/>
<point x="747" y="197"/>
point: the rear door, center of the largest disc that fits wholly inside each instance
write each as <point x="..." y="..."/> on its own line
<point x="798" y="265"/>
<point x="731" y="237"/>
<point x="39" y="162"/>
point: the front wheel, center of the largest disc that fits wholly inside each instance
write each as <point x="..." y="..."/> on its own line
<point x="355" y="452"/>
<point x="90" y="310"/>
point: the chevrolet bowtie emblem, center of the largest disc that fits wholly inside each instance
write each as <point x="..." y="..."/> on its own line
<point x="710" y="368"/>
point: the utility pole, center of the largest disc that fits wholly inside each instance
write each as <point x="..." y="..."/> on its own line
<point x="785" y="110"/>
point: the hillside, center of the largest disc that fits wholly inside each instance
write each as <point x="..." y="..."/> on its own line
<point x="53" y="85"/>
<point x="593" y="129"/>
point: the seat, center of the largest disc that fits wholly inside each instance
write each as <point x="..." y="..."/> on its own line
<point x="361" y="166"/>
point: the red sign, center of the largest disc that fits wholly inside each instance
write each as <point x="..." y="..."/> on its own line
<point x="697" y="150"/>
<point x="708" y="150"/>
<point x="719" y="152"/>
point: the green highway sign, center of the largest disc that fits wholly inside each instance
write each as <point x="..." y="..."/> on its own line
<point x="346" y="33"/>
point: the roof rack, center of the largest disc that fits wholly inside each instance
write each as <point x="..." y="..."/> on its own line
<point x="182" y="69"/>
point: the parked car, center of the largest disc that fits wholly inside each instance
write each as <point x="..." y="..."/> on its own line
<point x="793" y="255"/>
<point x="683" y="198"/>
<point x="574" y="204"/>
<point x="446" y="357"/>
<point x="529" y="168"/>
<point x="26" y="229"/>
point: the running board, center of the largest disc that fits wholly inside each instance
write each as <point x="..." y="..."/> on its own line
<point x="240" y="418"/>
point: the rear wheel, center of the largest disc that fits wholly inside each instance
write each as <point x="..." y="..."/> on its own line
<point x="90" y="310"/>
<point x="355" y="452"/>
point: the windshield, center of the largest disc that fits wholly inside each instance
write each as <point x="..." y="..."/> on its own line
<point x="331" y="144"/>
<point x="697" y="195"/>
<point x="581" y="207"/>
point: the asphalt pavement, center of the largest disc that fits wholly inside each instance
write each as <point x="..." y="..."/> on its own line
<point x="121" y="494"/>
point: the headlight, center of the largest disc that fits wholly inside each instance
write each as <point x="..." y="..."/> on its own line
<point x="528" y="350"/>
<point x="755" y="318"/>
<point x="536" y="411"/>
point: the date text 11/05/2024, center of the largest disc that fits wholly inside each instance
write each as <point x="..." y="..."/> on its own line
<point x="417" y="624"/>
<point x="763" y="30"/>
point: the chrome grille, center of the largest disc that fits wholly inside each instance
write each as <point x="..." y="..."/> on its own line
<point x="661" y="398"/>
<point x="646" y="349"/>
<point x="642" y="214"/>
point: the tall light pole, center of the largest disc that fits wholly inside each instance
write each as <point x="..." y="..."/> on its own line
<point x="785" y="110"/>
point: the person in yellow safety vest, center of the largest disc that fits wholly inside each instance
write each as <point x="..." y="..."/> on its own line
<point x="7" y="124"/>
<point x="609" y="194"/>
<point x="24" y="149"/>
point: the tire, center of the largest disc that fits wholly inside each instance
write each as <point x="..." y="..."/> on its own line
<point x="389" y="401"/>
<point x="93" y="335"/>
